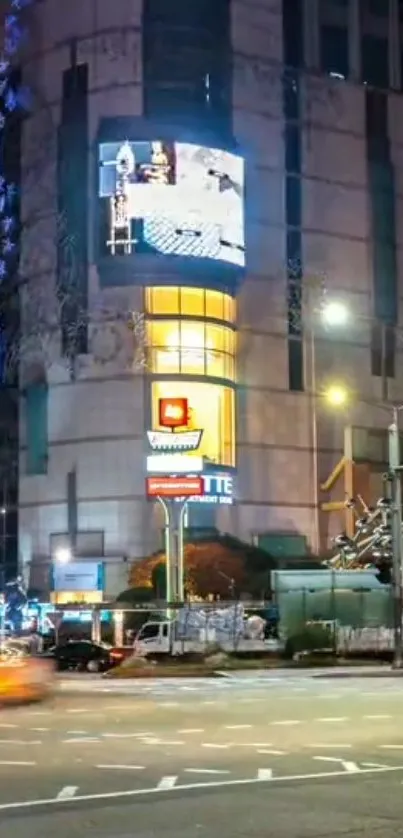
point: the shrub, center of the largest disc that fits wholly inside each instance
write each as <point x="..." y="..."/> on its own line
<point x="309" y="639"/>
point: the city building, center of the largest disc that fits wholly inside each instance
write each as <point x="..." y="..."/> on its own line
<point x="199" y="180"/>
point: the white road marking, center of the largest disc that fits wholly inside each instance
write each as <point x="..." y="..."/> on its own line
<point x="191" y="730"/>
<point x="76" y="732"/>
<point x="210" y="702"/>
<point x="273" y="753"/>
<point x="264" y="774"/>
<point x="168" y="704"/>
<point x="116" y="795"/>
<point x="10" y="726"/>
<point x="348" y="766"/>
<point x="213" y="745"/>
<point x="237" y="727"/>
<point x="20" y="742"/>
<point x="333" y="719"/>
<point x="67" y="793"/>
<point x="206" y="771"/>
<point x="151" y="741"/>
<point x="122" y="767"/>
<point x="167" y="783"/>
<point x="287" y="722"/>
<point x="17" y="762"/>
<point x="78" y="739"/>
<point x="373" y="765"/>
<point x="39" y="729"/>
<point x="392" y="747"/>
<point x="378" y="716"/>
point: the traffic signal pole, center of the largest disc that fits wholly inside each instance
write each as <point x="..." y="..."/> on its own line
<point x="397" y="552"/>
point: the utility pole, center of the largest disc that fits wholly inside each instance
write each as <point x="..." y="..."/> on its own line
<point x="397" y="553"/>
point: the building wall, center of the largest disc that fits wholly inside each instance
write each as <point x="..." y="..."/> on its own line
<point x="96" y="423"/>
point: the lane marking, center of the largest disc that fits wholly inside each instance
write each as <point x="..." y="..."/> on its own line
<point x="67" y="793"/>
<point x="373" y="765"/>
<point x="191" y="730"/>
<point x="122" y="767"/>
<point x="392" y="747"/>
<point x="213" y="745"/>
<point x="168" y="704"/>
<point x="206" y="771"/>
<point x="8" y="726"/>
<point x="116" y="795"/>
<point x="378" y="716"/>
<point x="79" y="710"/>
<point x="76" y="733"/>
<point x="273" y="753"/>
<point x="348" y="766"/>
<point x="79" y="739"/>
<point x="152" y="741"/>
<point x="334" y="719"/>
<point x="287" y="722"/>
<point x="20" y="742"/>
<point x="237" y="727"/>
<point x="264" y="774"/>
<point x="39" y="729"/>
<point x="167" y="783"/>
<point x="17" y="762"/>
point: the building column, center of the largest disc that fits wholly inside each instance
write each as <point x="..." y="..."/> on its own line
<point x="354" y="40"/>
<point x="395" y="75"/>
<point x="311" y="34"/>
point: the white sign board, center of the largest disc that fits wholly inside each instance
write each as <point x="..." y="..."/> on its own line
<point x="78" y="577"/>
<point x="174" y="464"/>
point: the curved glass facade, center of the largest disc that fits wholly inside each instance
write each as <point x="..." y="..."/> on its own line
<point x="191" y="332"/>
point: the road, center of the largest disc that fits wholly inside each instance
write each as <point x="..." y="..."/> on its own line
<point x="291" y="756"/>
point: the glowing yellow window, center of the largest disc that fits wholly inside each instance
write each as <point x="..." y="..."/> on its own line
<point x="192" y="347"/>
<point x="229" y="308"/>
<point x="164" y="343"/>
<point x="215" y="304"/>
<point x="162" y="300"/>
<point x="192" y="301"/>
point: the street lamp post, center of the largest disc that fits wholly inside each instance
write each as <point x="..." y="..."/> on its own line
<point x="333" y="314"/>
<point x="397" y="553"/>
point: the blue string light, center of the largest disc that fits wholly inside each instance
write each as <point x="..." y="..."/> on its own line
<point x="13" y="97"/>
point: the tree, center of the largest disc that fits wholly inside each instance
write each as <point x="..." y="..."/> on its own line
<point x="223" y="567"/>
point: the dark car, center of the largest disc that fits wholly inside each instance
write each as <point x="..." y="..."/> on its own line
<point x="82" y="656"/>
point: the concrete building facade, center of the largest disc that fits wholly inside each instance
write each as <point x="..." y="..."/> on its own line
<point x="308" y="96"/>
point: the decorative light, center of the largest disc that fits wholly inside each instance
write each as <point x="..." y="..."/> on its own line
<point x="335" y="313"/>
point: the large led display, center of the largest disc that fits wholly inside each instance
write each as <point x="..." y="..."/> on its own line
<point x="172" y="198"/>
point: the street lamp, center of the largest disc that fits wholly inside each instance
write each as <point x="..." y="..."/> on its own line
<point x="335" y="313"/>
<point x="63" y="555"/>
<point x="336" y="395"/>
<point x="3" y="513"/>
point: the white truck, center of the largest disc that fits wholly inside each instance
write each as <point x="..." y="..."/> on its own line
<point x="193" y="630"/>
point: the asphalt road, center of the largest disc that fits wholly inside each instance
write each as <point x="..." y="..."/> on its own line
<point x="286" y="756"/>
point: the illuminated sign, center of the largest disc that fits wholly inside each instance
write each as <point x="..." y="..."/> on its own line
<point x="179" y="199"/>
<point x="174" y="464"/>
<point x="172" y="487"/>
<point x="78" y="576"/>
<point x="217" y="489"/>
<point x="173" y="413"/>
<point x="182" y="441"/>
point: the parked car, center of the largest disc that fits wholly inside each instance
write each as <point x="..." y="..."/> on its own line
<point x="82" y="656"/>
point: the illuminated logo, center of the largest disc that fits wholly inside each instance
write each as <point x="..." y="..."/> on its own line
<point x="173" y="413"/>
<point x="172" y="487"/>
<point x="218" y="489"/>
<point x="182" y="441"/>
<point x="174" y="464"/>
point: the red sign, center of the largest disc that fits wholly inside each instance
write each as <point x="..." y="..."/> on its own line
<point x="173" y="413"/>
<point x="174" y="487"/>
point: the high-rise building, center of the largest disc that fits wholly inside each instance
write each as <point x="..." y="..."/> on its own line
<point x="200" y="178"/>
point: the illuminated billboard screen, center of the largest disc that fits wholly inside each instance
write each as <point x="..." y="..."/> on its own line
<point x="174" y="199"/>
